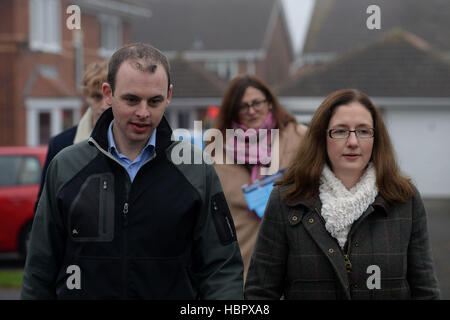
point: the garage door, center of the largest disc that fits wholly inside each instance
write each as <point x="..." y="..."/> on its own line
<point x="422" y="143"/>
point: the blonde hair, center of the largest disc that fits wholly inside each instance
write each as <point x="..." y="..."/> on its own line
<point x="96" y="73"/>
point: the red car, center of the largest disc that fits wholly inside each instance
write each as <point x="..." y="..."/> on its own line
<point x="20" y="176"/>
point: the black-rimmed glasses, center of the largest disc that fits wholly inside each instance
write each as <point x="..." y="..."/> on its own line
<point x="256" y="105"/>
<point x="363" y="133"/>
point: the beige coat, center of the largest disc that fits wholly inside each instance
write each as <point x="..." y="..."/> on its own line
<point x="234" y="176"/>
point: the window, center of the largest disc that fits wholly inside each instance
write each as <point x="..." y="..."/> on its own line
<point x="67" y="119"/>
<point x="110" y="35"/>
<point x="47" y="117"/>
<point x="45" y="25"/>
<point x="19" y="170"/>
<point x="44" y="128"/>
<point x="183" y="119"/>
<point x="224" y="69"/>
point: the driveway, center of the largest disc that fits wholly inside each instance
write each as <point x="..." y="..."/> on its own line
<point x="438" y="226"/>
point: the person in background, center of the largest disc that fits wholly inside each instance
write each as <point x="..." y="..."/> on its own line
<point x="93" y="79"/>
<point x="344" y="223"/>
<point x="250" y="104"/>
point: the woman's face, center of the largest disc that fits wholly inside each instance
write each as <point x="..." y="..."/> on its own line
<point x="98" y="104"/>
<point x="350" y="156"/>
<point x="253" y="109"/>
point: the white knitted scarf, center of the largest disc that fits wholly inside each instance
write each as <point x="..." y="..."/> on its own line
<point x="340" y="206"/>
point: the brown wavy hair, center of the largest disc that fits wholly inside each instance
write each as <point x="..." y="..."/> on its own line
<point x="228" y="111"/>
<point x="303" y="175"/>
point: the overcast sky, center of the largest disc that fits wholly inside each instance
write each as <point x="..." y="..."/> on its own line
<point x="298" y="13"/>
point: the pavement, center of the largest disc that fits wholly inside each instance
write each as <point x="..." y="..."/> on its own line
<point x="9" y="294"/>
<point x="438" y="211"/>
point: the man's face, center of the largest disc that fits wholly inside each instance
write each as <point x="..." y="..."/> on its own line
<point x="138" y="104"/>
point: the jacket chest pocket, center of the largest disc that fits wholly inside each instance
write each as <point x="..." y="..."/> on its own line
<point x="307" y="263"/>
<point x="91" y="215"/>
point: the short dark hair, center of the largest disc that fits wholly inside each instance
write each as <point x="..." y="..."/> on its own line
<point x="137" y="51"/>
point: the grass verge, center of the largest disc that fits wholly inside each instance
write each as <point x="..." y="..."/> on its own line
<point x="11" y="279"/>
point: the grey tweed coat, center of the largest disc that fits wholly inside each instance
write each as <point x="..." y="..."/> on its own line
<point x="295" y="256"/>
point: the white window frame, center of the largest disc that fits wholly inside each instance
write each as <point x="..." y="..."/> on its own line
<point x="54" y="106"/>
<point x="45" y="25"/>
<point x="110" y="35"/>
<point x="225" y="69"/>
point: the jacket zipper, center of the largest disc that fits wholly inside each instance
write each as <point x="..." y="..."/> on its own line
<point x="125" y="214"/>
<point x="229" y="226"/>
<point x="103" y="195"/>
<point x="348" y="263"/>
<point x="125" y="240"/>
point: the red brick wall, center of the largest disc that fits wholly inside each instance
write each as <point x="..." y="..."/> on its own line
<point x="274" y="69"/>
<point x="279" y="55"/>
<point x="17" y="62"/>
<point x="10" y="38"/>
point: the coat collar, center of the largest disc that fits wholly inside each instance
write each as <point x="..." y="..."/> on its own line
<point x="100" y="132"/>
<point x="314" y="202"/>
<point x="308" y="202"/>
<point x="382" y="204"/>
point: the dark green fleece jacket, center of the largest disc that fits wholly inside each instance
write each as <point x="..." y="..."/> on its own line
<point x="97" y="235"/>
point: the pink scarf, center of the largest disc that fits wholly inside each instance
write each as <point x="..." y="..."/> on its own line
<point x="248" y="140"/>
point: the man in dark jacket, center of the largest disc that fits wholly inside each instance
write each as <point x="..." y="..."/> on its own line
<point x="93" y="78"/>
<point x="118" y="219"/>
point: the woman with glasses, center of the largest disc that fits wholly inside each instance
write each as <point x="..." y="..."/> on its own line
<point x="252" y="110"/>
<point x="344" y="223"/>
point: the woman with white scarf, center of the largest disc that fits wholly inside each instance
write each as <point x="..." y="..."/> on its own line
<point x="343" y="223"/>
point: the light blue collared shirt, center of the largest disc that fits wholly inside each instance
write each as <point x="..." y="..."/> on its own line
<point x="132" y="167"/>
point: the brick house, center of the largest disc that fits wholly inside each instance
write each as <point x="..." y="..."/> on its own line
<point x="42" y="61"/>
<point x="227" y="37"/>
<point x="195" y="90"/>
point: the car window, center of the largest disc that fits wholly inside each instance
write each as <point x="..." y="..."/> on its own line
<point x="19" y="170"/>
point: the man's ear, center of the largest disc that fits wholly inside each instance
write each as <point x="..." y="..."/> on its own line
<point x="169" y="94"/>
<point x="107" y="93"/>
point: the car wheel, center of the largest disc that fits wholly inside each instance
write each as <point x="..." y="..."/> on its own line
<point x="24" y="239"/>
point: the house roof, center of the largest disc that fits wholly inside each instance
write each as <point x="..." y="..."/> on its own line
<point x="398" y="64"/>
<point x="180" y="25"/>
<point x="45" y="81"/>
<point x="190" y="80"/>
<point x="126" y="8"/>
<point x="55" y="88"/>
<point x="337" y="26"/>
